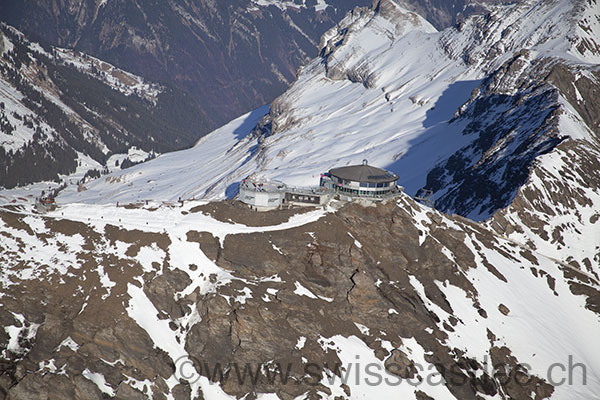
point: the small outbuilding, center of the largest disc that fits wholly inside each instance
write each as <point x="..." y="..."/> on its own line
<point x="45" y="203"/>
<point x="264" y="195"/>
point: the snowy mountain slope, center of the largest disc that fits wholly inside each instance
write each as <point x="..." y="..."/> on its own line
<point x="556" y="212"/>
<point x="213" y="161"/>
<point x="463" y="112"/>
<point x="59" y="108"/>
<point x="333" y="114"/>
<point x="147" y="301"/>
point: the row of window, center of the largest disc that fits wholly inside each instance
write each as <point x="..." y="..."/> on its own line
<point x="347" y="182"/>
<point x="375" y="185"/>
<point x="364" y="192"/>
<point x="252" y="199"/>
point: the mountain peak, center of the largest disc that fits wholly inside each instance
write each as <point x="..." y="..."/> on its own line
<point x="395" y="12"/>
<point x="349" y="48"/>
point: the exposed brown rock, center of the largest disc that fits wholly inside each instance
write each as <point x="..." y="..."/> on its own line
<point x="356" y="269"/>
<point x="399" y="364"/>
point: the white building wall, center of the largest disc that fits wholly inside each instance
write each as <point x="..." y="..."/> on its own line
<point x="260" y="199"/>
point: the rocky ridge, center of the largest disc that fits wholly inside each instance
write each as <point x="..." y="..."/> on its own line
<point x="157" y="301"/>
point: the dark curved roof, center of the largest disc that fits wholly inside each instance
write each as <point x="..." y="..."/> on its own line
<point x="363" y="173"/>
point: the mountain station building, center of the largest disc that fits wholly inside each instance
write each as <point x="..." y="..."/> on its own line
<point x="361" y="182"/>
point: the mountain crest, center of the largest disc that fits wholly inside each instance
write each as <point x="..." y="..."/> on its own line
<point x="342" y="48"/>
<point x="568" y="29"/>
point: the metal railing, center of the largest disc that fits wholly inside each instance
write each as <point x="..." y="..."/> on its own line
<point x="263" y="186"/>
<point x="280" y="187"/>
<point x="308" y="190"/>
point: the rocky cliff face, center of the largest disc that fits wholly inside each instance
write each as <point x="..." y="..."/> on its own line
<point x="535" y="99"/>
<point x="512" y="128"/>
<point x="158" y="302"/>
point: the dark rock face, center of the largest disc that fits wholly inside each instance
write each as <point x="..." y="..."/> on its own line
<point x="485" y="175"/>
<point x="515" y="113"/>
